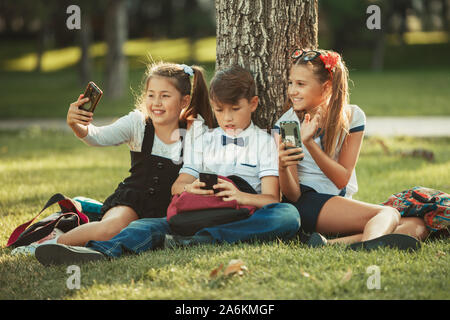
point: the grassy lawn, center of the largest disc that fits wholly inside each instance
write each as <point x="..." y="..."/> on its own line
<point x="412" y="85"/>
<point x="35" y="164"/>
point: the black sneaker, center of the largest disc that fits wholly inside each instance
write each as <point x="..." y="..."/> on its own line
<point x="393" y="240"/>
<point x="316" y="240"/>
<point x="56" y="253"/>
<point x="175" y="241"/>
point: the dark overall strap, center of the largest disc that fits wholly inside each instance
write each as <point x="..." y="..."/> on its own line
<point x="149" y="136"/>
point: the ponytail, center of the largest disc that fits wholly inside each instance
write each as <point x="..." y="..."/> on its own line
<point x="337" y="116"/>
<point x="199" y="104"/>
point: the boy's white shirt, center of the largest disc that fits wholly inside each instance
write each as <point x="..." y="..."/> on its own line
<point x="309" y="172"/>
<point x="204" y="152"/>
<point x="130" y="129"/>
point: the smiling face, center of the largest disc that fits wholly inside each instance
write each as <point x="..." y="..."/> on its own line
<point x="305" y="91"/>
<point x="164" y="102"/>
<point x="234" y="118"/>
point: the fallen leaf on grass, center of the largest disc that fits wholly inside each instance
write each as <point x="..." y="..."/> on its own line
<point x="440" y="254"/>
<point x="347" y="276"/>
<point x="307" y="275"/>
<point x="216" y="271"/>
<point x="234" y="267"/>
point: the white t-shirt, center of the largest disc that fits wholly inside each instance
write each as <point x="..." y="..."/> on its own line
<point x="253" y="157"/>
<point x="309" y="172"/>
<point x="130" y="129"/>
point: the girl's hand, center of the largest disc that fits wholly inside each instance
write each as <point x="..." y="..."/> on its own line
<point x="309" y="126"/>
<point x="195" y="188"/>
<point x="286" y="157"/>
<point x="228" y="191"/>
<point x="78" y="116"/>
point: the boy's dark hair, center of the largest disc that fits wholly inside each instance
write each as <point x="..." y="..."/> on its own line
<point x="231" y="84"/>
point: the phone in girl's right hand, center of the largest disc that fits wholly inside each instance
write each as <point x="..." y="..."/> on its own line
<point x="94" y="93"/>
<point x="290" y="132"/>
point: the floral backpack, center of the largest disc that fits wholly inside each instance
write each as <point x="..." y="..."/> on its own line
<point x="430" y="204"/>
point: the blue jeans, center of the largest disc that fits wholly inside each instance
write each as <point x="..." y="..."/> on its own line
<point x="276" y="220"/>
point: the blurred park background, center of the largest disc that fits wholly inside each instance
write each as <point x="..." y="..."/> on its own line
<point x="400" y="70"/>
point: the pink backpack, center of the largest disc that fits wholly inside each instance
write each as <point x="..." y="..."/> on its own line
<point x="68" y="218"/>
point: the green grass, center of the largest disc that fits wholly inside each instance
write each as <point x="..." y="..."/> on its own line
<point x="34" y="164"/>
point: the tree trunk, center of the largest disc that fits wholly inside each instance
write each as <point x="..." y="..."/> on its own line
<point x="116" y="35"/>
<point x="260" y="35"/>
<point x="85" y="38"/>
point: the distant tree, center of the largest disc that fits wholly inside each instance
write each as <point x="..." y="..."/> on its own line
<point x="116" y="68"/>
<point x="260" y="35"/>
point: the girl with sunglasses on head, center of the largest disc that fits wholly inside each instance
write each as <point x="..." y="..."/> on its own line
<point x="321" y="180"/>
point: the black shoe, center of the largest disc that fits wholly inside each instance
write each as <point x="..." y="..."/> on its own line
<point x="56" y="253"/>
<point x="316" y="240"/>
<point x="175" y="241"/>
<point x="393" y="240"/>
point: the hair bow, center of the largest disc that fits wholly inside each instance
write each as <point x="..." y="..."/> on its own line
<point x="188" y="70"/>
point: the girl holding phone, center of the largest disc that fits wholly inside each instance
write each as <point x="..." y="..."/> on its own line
<point x="152" y="132"/>
<point x="322" y="183"/>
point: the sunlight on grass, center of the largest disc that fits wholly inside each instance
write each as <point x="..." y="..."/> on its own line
<point x="420" y="37"/>
<point x="171" y="50"/>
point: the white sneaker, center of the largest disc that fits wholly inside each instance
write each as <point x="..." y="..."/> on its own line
<point x="25" y="250"/>
<point x="31" y="248"/>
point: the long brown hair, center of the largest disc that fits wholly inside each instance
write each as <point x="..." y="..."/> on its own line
<point x="176" y="74"/>
<point x="337" y="115"/>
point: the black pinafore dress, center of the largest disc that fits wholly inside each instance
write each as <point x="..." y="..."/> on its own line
<point x="148" y="188"/>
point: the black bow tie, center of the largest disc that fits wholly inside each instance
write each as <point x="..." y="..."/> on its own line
<point x="241" y="142"/>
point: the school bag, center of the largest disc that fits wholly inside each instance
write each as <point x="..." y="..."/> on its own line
<point x="430" y="204"/>
<point x="188" y="213"/>
<point x="70" y="216"/>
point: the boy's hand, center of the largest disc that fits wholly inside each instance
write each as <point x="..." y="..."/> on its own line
<point x="285" y="157"/>
<point x="79" y="116"/>
<point x="228" y="191"/>
<point x="195" y="188"/>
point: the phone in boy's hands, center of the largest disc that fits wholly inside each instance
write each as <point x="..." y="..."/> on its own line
<point x="94" y="94"/>
<point x="290" y="132"/>
<point x="210" y="179"/>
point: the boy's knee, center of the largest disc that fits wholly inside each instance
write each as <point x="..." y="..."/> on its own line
<point x="285" y="214"/>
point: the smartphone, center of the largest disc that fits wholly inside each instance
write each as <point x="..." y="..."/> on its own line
<point x="290" y="132"/>
<point x="209" y="179"/>
<point x="94" y="94"/>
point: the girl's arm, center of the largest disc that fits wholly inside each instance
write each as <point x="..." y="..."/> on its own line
<point x="270" y="192"/>
<point x="339" y="172"/>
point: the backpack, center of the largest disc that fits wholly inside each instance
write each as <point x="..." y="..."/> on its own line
<point x="69" y="217"/>
<point x="430" y="204"/>
<point x="188" y="213"/>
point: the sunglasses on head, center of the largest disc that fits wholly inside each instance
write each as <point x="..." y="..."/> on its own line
<point x="305" y="55"/>
<point x="329" y="60"/>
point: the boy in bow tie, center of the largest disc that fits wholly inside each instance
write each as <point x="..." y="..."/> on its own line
<point x="236" y="147"/>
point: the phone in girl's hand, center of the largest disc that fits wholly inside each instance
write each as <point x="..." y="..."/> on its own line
<point x="210" y="179"/>
<point x="290" y="132"/>
<point x="94" y="94"/>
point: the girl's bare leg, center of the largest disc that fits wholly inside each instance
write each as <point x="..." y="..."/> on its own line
<point x="412" y="226"/>
<point x="113" y="221"/>
<point x="346" y="216"/>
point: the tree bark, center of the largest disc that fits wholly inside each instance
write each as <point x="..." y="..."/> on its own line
<point x="116" y="35"/>
<point x="85" y="38"/>
<point x="260" y="35"/>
